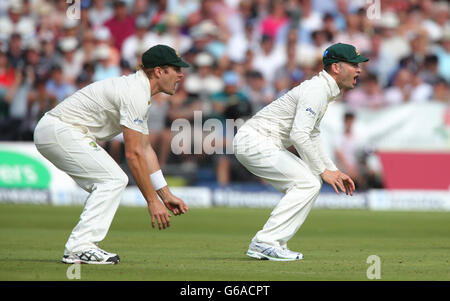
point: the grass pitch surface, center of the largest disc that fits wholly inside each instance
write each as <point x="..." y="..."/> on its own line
<point x="210" y="244"/>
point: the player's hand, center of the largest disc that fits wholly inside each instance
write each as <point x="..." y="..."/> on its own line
<point x="159" y="214"/>
<point x="176" y="205"/>
<point x="339" y="181"/>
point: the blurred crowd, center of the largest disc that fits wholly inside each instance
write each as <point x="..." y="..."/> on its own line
<point x="243" y="53"/>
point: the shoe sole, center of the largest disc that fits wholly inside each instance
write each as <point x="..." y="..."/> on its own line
<point x="114" y="260"/>
<point x="261" y="256"/>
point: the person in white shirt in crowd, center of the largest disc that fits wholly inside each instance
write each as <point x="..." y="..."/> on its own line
<point x="347" y="148"/>
<point x="16" y="22"/>
<point x="294" y="119"/>
<point x="141" y="40"/>
<point x="100" y="13"/>
<point x="72" y="61"/>
<point x="67" y="136"/>
<point x="268" y="58"/>
<point x="393" y="47"/>
<point x="203" y="82"/>
<point x="172" y="35"/>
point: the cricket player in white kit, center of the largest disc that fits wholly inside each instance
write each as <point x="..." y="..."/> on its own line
<point x="294" y="119"/>
<point x="67" y="137"/>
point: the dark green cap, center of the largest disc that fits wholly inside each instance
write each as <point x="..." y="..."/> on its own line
<point x="161" y="55"/>
<point x="342" y="53"/>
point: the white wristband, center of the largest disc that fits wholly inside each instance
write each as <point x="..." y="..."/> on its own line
<point x="158" y="180"/>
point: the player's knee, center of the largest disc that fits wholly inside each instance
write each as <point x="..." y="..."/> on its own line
<point x="311" y="183"/>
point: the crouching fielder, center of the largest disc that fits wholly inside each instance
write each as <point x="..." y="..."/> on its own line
<point x="67" y="137"/>
<point x="294" y="119"/>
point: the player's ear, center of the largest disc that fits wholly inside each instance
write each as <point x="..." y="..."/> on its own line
<point x="336" y="68"/>
<point x="157" y="71"/>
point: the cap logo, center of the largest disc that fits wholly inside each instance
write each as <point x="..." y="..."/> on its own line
<point x="325" y="53"/>
<point x="357" y="52"/>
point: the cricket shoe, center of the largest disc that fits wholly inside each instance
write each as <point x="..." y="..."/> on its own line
<point x="267" y="252"/>
<point x="91" y="256"/>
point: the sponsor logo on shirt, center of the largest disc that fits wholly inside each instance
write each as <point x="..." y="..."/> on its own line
<point x="311" y="111"/>
<point x="138" y="121"/>
<point x="94" y="145"/>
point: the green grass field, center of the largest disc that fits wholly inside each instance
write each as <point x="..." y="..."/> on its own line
<point x="210" y="244"/>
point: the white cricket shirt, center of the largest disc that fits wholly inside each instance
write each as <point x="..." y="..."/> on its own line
<point x="294" y="119"/>
<point x="103" y="106"/>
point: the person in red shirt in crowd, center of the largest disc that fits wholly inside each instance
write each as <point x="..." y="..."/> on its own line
<point x="121" y="25"/>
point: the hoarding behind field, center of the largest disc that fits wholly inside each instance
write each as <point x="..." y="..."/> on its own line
<point x="205" y="197"/>
<point x="412" y="141"/>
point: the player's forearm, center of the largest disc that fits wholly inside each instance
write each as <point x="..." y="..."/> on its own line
<point x="308" y="152"/>
<point x="329" y="164"/>
<point x="139" y="169"/>
<point x="151" y="159"/>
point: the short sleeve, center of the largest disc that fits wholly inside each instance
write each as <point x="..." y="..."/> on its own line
<point x="134" y="113"/>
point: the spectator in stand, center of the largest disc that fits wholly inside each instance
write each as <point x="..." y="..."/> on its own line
<point x="268" y="58"/>
<point x="310" y="21"/>
<point x="182" y="8"/>
<point x="56" y="85"/>
<point x="71" y="28"/>
<point x="393" y="47"/>
<point x="173" y="36"/>
<point x="86" y="50"/>
<point x="441" y="91"/>
<point x="16" y="22"/>
<point x="16" y="98"/>
<point x="159" y="134"/>
<point x="276" y="19"/>
<point x="421" y="91"/>
<point x="103" y="68"/>
<point x="369" y="95"/>
<point x="329" y="26"/>
<point x="46" y="27"/>
<point x="103" y="37"/>
<point x="15" y="51"/>
<point x="353" y="35"/>
<point x="258" y="93"/>
<point x="71" y="62"/>
<point x="429" y="72"/>
<point x="442" y="51"/>
<point x="137" y="43"/>
<point x="231" y="103"/>
<point x="203" y="83"/>
<point x="99" y="13"/>
<point x="141" y="8"/>
<point x="49" y="56"/>
<point x="438" y="20"/>
<point x="205" y="12"/>
<point x="400" y="91"/>
<point x="347" y="149"/>
<point x="7" y="82"/>
<point x="121" y="25"/>
<point x="38" y="103"/>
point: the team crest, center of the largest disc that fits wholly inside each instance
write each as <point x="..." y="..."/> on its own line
<point x="94" y="145"/>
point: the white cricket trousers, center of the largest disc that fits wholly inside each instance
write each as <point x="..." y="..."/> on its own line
<point x="268" y="159"/>
<point x="75" y="152"/>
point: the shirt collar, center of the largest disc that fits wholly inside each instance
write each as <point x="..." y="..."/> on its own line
<point x="333" y="88"/>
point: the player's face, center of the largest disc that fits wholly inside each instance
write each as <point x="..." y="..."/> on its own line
<point x="170" y="79"/>
<point x="348" y="74"/>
